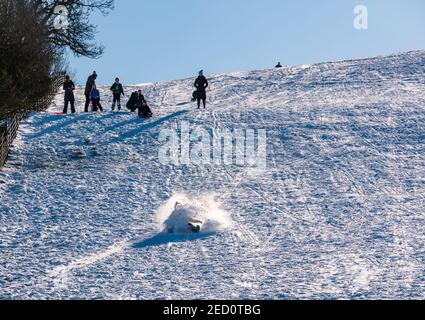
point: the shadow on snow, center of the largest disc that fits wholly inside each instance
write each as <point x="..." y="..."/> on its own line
<point x="149" y="125"/>
<point x="59" y="122"/>
<point x="163" y="239"/>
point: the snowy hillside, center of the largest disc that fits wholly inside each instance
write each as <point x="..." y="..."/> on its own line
<point x="339" y="212"/>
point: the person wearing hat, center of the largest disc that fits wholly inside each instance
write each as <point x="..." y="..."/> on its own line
<point x="69" y="88"/>
<point x="89" y="85"/>
<point x="201" y="85"/>
<point x="138" y="102"/>
<point x="117" y="91"/>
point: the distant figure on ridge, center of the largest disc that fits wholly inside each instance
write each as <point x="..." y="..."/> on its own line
<point x="89" y="86"/>
<point x="95" y="99"/>
<point x="279" y="65"/>
<point x="201" y="85"/>
<point x="69" y="88"/>
<point x="138" y="102"/>
<point x="117" y="91"/>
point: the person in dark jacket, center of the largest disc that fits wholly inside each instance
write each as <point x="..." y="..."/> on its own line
<point x="95" y="99"/>
<point x="279" y="65"/>
<point x="138" y="102"/>
<point x="201" y="85"/>
<point x="89" y="85"/>
<point x="69" y="88"/>
<point x="117" y="91"/>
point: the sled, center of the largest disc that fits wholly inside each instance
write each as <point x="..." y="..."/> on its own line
<point x="148" y="116"/>
<point x="195" y="95"/>
<point x="180" y="104"/>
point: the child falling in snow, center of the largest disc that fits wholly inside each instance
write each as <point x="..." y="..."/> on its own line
<point x="184" y="219"/>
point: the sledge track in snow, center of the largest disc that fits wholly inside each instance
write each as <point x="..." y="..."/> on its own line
<point x="338" y="213"/>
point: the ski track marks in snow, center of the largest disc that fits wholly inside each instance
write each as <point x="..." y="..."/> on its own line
<point x="339" y="213"/>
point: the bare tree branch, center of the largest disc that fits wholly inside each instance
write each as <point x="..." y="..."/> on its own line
<point x="79" y="34"/>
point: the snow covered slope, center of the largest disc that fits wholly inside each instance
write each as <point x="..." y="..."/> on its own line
<point x="339" y="213"/>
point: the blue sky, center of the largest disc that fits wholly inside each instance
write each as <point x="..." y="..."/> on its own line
<point x="154" y="40"/>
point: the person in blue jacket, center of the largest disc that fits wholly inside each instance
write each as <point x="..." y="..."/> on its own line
<point x="95" y="99"/>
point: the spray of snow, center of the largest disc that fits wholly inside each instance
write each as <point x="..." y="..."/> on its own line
<point x="204" y="208"/>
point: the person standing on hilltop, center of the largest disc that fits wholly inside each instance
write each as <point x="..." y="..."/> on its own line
<point x="279" y="65"/>
<point x="201" y="85"/>
<point x="89" y="86"/>
<point x="95" y="99"/>
<point x="69" y="88"/>
<point x="117" y="91"/>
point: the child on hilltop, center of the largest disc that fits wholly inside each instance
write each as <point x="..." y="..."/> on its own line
<point x="95" y="99"/>
<point x="117" y="91"/>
